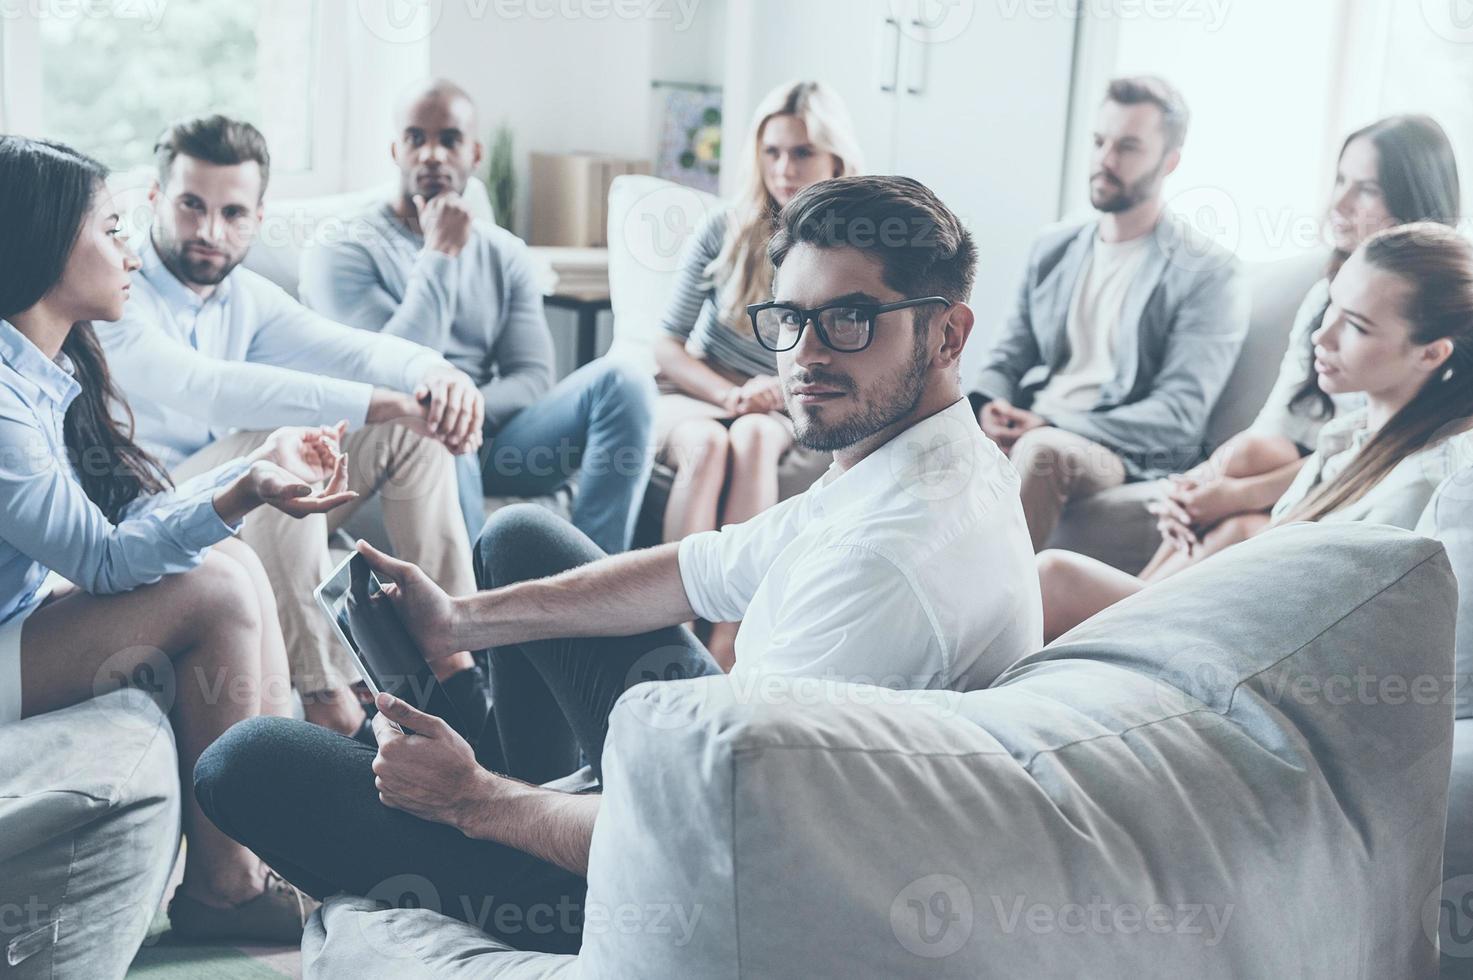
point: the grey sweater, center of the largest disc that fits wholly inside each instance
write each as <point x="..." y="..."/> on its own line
<point x="481" y="309"/>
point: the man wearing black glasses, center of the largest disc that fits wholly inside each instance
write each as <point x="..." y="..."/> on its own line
<point x="871" y="576"/>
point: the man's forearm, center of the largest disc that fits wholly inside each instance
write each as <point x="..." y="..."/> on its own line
<point x="556" y="827"/>
<point x="621" y="595"/>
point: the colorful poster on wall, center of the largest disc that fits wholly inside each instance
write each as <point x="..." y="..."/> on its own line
<point x="690" y="137"/>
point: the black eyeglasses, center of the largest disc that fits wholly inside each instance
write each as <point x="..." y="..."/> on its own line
<point x="845" y="327"/>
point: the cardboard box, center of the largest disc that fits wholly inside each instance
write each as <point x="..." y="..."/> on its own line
<point x="570" y="197"/>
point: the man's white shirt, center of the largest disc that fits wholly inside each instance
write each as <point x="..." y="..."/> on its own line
<point x="248" y="357"/>
<point x="912" y="569"/>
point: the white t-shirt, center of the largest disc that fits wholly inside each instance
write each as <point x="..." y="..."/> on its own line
<point x="1093" y="326"/>
<point x="912" y="569"/>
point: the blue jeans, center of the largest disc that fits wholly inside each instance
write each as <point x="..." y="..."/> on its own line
<point x="594" y="424"/>
<point x="303" y="798"/>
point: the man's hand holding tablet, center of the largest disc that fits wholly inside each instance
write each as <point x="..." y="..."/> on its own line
<point x="426" y="610"/>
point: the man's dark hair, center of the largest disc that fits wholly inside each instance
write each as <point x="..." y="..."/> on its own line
<point x="213" y="139"/>
<point x="924" y="248"/>
<point x="1156" y="91"/>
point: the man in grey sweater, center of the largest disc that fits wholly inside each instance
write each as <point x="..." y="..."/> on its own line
<point x="420" y="267"/>
<point x="1126" y="327"/>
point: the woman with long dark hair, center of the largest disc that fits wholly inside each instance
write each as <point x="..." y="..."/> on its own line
<point x="107" y="575"/>
<point x="1398" y="331"/>
<point x="1397" y="170"/>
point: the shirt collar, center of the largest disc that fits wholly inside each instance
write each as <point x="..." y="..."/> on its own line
<point x="932" y="459"/>
<point x="173" y="292"/>
<point x="53" y="378"/>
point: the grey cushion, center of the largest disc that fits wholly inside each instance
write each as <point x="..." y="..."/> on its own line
<point x="1450" y="517"/>
<point x="89" y="828"/>
<point x="1179" y="787"/>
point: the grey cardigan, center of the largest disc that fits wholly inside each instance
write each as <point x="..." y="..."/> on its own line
<point x="1182" y="326"/>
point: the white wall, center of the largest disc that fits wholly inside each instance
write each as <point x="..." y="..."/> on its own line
<point x="574" y="80"/>
<point x="1260" y="78"/>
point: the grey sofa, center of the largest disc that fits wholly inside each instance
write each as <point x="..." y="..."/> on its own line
<point x="89" y="829"/>
<point x="1113" y="526"/>
<point x="1179" y="787"/>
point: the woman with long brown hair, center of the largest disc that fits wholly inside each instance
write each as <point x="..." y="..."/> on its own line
<point x="1398" y="331"/>
<point x="1397" y="170"/>
<point x="106" y="573"/>
<point x="720" y="421"/>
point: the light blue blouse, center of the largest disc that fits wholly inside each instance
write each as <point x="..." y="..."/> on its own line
<point x="47" y="521"/>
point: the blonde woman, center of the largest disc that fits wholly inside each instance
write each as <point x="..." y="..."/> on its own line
<point x="720" y="421"/>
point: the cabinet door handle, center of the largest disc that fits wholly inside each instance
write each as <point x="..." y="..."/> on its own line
<point x="921" y="44"/>
<point x="889" y="55"/>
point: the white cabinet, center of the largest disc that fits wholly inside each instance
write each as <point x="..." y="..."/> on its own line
<point x="970" y="97"/>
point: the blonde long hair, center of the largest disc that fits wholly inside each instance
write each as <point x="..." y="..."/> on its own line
<point x="742" y="263"/>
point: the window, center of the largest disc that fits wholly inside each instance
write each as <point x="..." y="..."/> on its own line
<point x="108" y="77"/>
<point x="1258" y="77"/>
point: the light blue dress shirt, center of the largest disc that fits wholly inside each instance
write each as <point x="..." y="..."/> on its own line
<point x="247" y="358"/>
<point x="47" y="521"/>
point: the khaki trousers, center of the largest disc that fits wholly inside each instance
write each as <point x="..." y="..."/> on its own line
<point x="1057" y="467"/>
<point x="414" y="478"/>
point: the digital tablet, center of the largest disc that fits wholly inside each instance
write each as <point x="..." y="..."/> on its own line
<point x="386" y="655"/>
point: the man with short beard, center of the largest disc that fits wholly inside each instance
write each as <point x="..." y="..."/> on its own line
<point x="420" y="267"/>
<point x="211" y="357"/>
<point x="1126" y="327"/>
<point x="907" y="565"/>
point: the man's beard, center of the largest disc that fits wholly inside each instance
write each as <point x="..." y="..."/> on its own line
<point x="894" y="402"/>
<point x="1126" y="197"/>
<point x="196" y="272"/>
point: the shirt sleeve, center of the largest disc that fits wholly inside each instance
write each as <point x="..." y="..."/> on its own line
<point x="47" y="516"/>
<point x="289" y="335"/>
<point x="343" y="284"/>
<point x="522" y="354"/>
<point x="721" y="569"/>
<point x="203" y="484"/>
<point x="693" y="285"/>
<point x="148" y="363"/>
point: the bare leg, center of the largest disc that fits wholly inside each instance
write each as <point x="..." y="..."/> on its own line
<point x="1246" y="454"/>
<point x="1239" y="527"/>
<point x="757" y="443"/>
<point x="697" y="448"/>
<point x="1075" y="587"/>
<point x="199" y="637"/>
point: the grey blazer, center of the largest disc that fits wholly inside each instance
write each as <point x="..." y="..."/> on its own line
<point x="1182" y="326"/>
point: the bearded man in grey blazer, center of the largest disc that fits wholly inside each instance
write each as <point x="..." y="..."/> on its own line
<point x="1126" y="327"/>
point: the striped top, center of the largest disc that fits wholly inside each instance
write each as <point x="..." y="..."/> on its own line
<point x="693" y="314"/>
